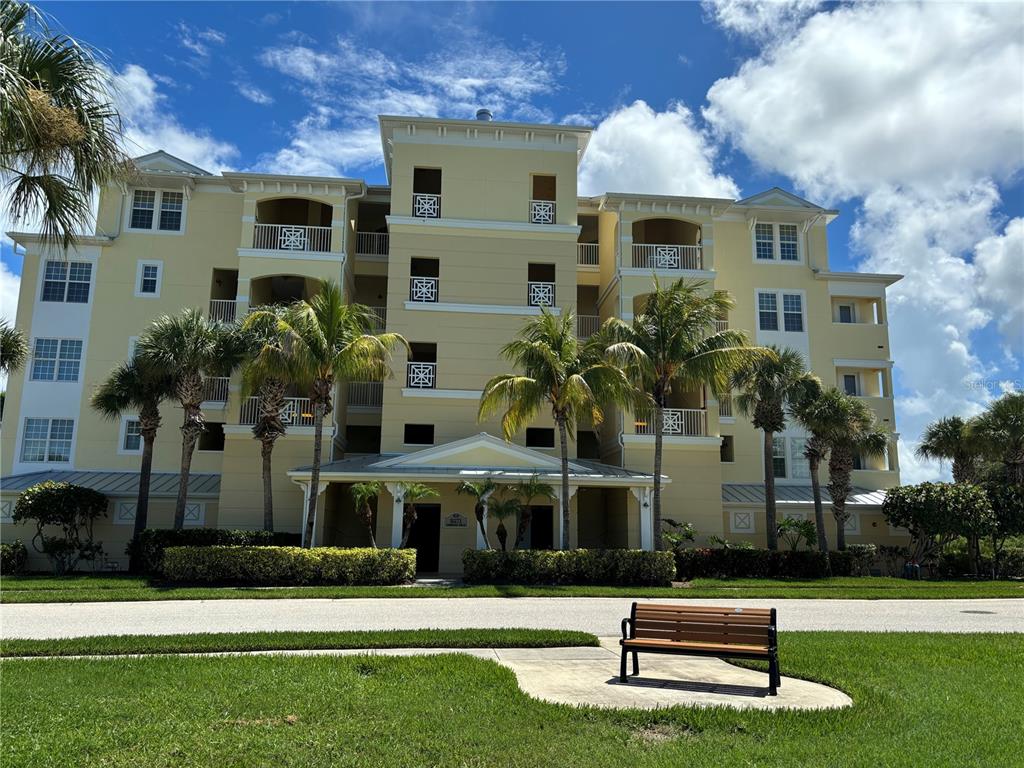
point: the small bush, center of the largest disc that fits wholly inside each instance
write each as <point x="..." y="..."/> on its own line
<point x="67" y="510"/>
<point x="153" y="541"/>
<point x="751" y="564"/>
<point x="855" y="560"/>
<point x="605" y="567"/>
<point x="957" y="564"/>
<point x="288" y="566"/>
<point x="13" y="557"/>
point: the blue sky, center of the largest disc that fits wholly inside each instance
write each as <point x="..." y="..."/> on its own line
<point x="907" y="118"/>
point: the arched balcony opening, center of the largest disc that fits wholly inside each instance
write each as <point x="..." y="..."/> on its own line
<point x="669" y="244"/>
<point x="293" y="224"/>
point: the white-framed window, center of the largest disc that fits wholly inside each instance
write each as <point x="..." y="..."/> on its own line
<point x="195" y="513"/>
<point x="780" y="311"/>
<point x="851" y="384"/>
<point x="47" y="440"/>
<point x="148" y="276"/>
<point x="741" y="521"/>
<point x="779" y="457"/>
<point x="156" y="210"/>
<point x="764" y="242"/>
<point x="124" y="513"/>
<point x="847" y="313"/>
<point x="777" y="242"/>
<point x="130" y="439"/>
<point x="793" y="312"/>
<point x="6" y="511"/>
<point x="799" y="466"/>
<point x="56" y="360"/>
<point x="67" y="281"/>
<point x="789" y="243"/>
<point x="767" y="312"/>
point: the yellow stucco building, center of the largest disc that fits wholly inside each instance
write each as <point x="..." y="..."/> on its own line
<point x="480" y="226"/>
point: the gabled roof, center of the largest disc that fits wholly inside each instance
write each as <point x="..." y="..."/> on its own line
<point x="779" y="199"/>
<point x="164" y="162"/>
<point x="478" y="451"/>
<point x="162" y="484"/>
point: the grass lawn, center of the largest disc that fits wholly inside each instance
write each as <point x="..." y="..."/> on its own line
<point x="88" y="588"/>
<point x="274" y="641"/>
<point x="935" y="700"/>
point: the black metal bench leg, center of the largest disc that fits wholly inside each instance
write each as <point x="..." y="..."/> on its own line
<point x="622" y="666"/>
<point x="773" y="675"/>
<point x="636" y="663"/>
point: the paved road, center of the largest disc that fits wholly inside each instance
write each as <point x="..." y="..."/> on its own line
<point x="598" y="615"/>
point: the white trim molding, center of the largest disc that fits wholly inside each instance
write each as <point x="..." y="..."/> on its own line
<point x="449" y="394"/>
<point x="479" y="309"/>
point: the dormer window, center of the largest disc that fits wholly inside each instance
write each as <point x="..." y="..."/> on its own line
<point x="156" y="210"/>
<point x="776" y="242"/>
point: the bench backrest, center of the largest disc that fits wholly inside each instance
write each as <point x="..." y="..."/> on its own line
<point x="740" y="626"/>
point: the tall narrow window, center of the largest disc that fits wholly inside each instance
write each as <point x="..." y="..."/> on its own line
<point x="764" y="241"/>
<point x="779" y="456"/>
<point x="171" y="204"/>
<point x="143" y="205"/>
<point x="800" y="466"/>
<point x="792" y="312"/>
<point x="788" y="250"/>
<point x="767" y="312"/>
<point x="148" y="279"/>
<point x="132" y="441"/>
<point x="850" y="384"/>
<point x="846" y="313"/>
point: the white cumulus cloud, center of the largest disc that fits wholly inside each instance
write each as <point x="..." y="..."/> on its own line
<point x="760" y="19"/>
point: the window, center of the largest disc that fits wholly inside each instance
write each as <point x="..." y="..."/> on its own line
<point x="47" y="440"/>
<point x="146" y="203"/>
<point x="788" y="243"/>
<point x="764" y="242"/>
<point x="800" y="467"/>
<point x="171" y="205"/>
<point x="846" y="313"/>
<point x="850" y="384"/>
<point x="767" y="312"/>
<point x="540" y="437"/>
<point x="792" y="312"/>
<point x="728" y="451"/>
<point x="212" y="439"/>
<point x="779" y="456"/>
<point x="858" y="461"/>
<point x="143" y="205"/>
<point x="419" y="434"/>
<point x="131" y="441"/>
<point x="67" y="281"/>
<point x="56" y="359"/>
<point x="147" y="278"/>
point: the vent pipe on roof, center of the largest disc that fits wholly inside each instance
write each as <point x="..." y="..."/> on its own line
<point x="484" y="114"/>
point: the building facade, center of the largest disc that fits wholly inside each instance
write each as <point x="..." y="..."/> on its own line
<point x="480" y="226"/>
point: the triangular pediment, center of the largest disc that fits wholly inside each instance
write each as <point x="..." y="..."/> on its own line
<point x="163" y="162"/>
<point x="778" y="198"/>
<point x="479" y="452"/>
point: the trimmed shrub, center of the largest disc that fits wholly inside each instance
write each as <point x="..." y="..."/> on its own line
<point x="288" y="566"/>
<point x="751" y="564"/>
<point x="153" y="541"/>
<point x="13" y="557"/>
<point x="957" y="564"/>
<point x="605" y="567"/>
<point x="855" y="560"/>
<point x="70" y="511"/>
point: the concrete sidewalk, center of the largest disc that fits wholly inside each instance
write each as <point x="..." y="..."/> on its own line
<point x="598" y="615"/>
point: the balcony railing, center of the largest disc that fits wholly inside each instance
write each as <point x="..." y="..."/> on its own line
<point x="215" y="389"/>
<point x="677" y="422"/>
<point x="587" y="325"/>
<point x="421" y="375"/>
<point x="297" y="412"/>
<point x="654" y="256"/>
<point x="381" y="313"/>
<point x="366" y="394"/>
<point x="541" y="294"/>
<point x="223" y="310"/>
<point x="423" y="289"/>
<point x="292" y="237"/>
<point x="542" y="211"/>
<point x="371" y="243"/>
<point x="725" y="405"/>
<point x="587" y="254"/>
<point x="721" y="325"/>
<point x="426" y="206"/>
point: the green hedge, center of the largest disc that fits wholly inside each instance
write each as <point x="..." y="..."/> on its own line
<point x="13" y="557"/>
<point x="956" y="564"/>
<point x="606" y="567"/>
<point x="153" y="541"/>
<point x="750" y="564"/>
<point x="288" y="566"/>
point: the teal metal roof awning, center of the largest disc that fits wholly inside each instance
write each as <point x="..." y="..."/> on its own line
<point x="753" y="493"/>
<point x="162" y="484"/>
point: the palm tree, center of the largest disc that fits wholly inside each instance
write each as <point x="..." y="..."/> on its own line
<point x="136" y="387"/>
<point x="362" y="495"/>
<point x="192" y="349"/>
<point x="60" y="136"/>
<point x="676" y="332"/>
<point x="329" y="340"/>
<point x="501" y="510"/>
<point x="950" y="439"/>
<point x="860" y="435"/>
<point x="412" y="494"/>
<point x="766" y="384"/>
<point x="480" y="490"/>
<point x="265" y="372"/>
<point x="13" y="348"/>
<point x="527" y="491"/>
<point x="1000" y="431"/>
<point x="821" y="413"/>
<point x="571" y="378"/>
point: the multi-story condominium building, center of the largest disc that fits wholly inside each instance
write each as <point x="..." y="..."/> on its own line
<point x="480" y="226"/>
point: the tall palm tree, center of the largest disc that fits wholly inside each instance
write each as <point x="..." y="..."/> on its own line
<point x="412" y="494"/>
<point x="327" y="341"/>
<point x="950" y="439"/>
<point x="527" y="491"/>
<point x="501" y="510"/>
<point x="572" y="378"/>
<point x="362" y="495"/>
<point x="193" y="349"/>
<point x="682" y="350"/>
<point x="766" y="385"/>
<point x="821" y="413"/>
<point x="1000" y="430"/>
<point x="13" y="348"/>
<point x="136" y="387"/>
<point x="860" y="435"/>
<point x="265" y="371"/>
<point x="60" y="135"/>
<point x="480" y="490"/>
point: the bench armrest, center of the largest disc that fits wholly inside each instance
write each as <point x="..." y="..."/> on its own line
<point x="625" y="623"/>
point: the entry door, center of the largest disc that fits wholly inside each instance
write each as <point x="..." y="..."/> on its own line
<point x="542" y="528"/>
<point x="425" y="537"/>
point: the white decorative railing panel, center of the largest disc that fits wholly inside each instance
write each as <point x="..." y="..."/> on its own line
<point x="371" y="243"/>
<point x="421" y="375"/>
<point x="297" y="412"/>
<point x="653" y="256"/>
<point x="541" y="294"/>
<point x="542" y="211"/>
<point x="292" y="237"/>
<point x="426" y="206"/>
<point x="677" y="422"/>
<point x="423" y="289"/>
<point x="587" y="254"/>
<point x="223" y="310"/>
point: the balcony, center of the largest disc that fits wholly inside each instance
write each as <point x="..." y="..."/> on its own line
<point x="421" y="375"/>
<point x="381" y="315"/>
<point x="297" y="412"/>
<point x="372" y="243"/>
<point x="223" y="310"/>
<point x="424" y="289"/>
<point x="215" y="389"/>
<point x="721" y="325"/>
<point x="292" y="237"/>
<point x="587" y="325"/>
<point x="668" y="257"/>
<point x="540" y="294"/>
<point x="542" y="211"/>
<point x="587" y="254"/>
<point x="725" y="406"/>
<point x="677" y="422"/>
<point x="426" y="206"/>
<point x="365" y="394"/>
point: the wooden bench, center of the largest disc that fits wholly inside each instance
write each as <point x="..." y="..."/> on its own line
<point x="684" y="630"/>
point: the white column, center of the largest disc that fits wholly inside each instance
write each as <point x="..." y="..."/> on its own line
<point x="305" y="509"/>
<point x="558" y="513"/>
<point x="397" y="512"/>
<point x="643" y="496"/>
<point x="321" y="487"/>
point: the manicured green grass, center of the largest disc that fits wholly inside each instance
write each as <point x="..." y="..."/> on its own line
<point x="87" y="588"/>
<point x="936" y="700"/>
<point x="105" y="645"/>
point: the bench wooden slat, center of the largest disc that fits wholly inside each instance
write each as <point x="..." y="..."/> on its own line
<point x="766" y="612"/>
<point x="703" y="618"/>
<point x="733" y="637"/>
<point x="699" y="646"/>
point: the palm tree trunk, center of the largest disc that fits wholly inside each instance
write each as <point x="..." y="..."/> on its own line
<point x="819" y="511"/>
<point x="408" y="518"/>
<point x="563" y="440"/>
<point x="840" y="465"/>
<point x="142" y="502"/>
<point x="314" y="479"/>
<point x="839" y="511"/>
<point x="190" y="431"/>
<point x="478" y="512"/>
<point x="659" y="422"/>
<point x="266" y="449"/>
<point x="771" y="527"/>
<point x="525" y="516"/>
<point x="369" y="528"/>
